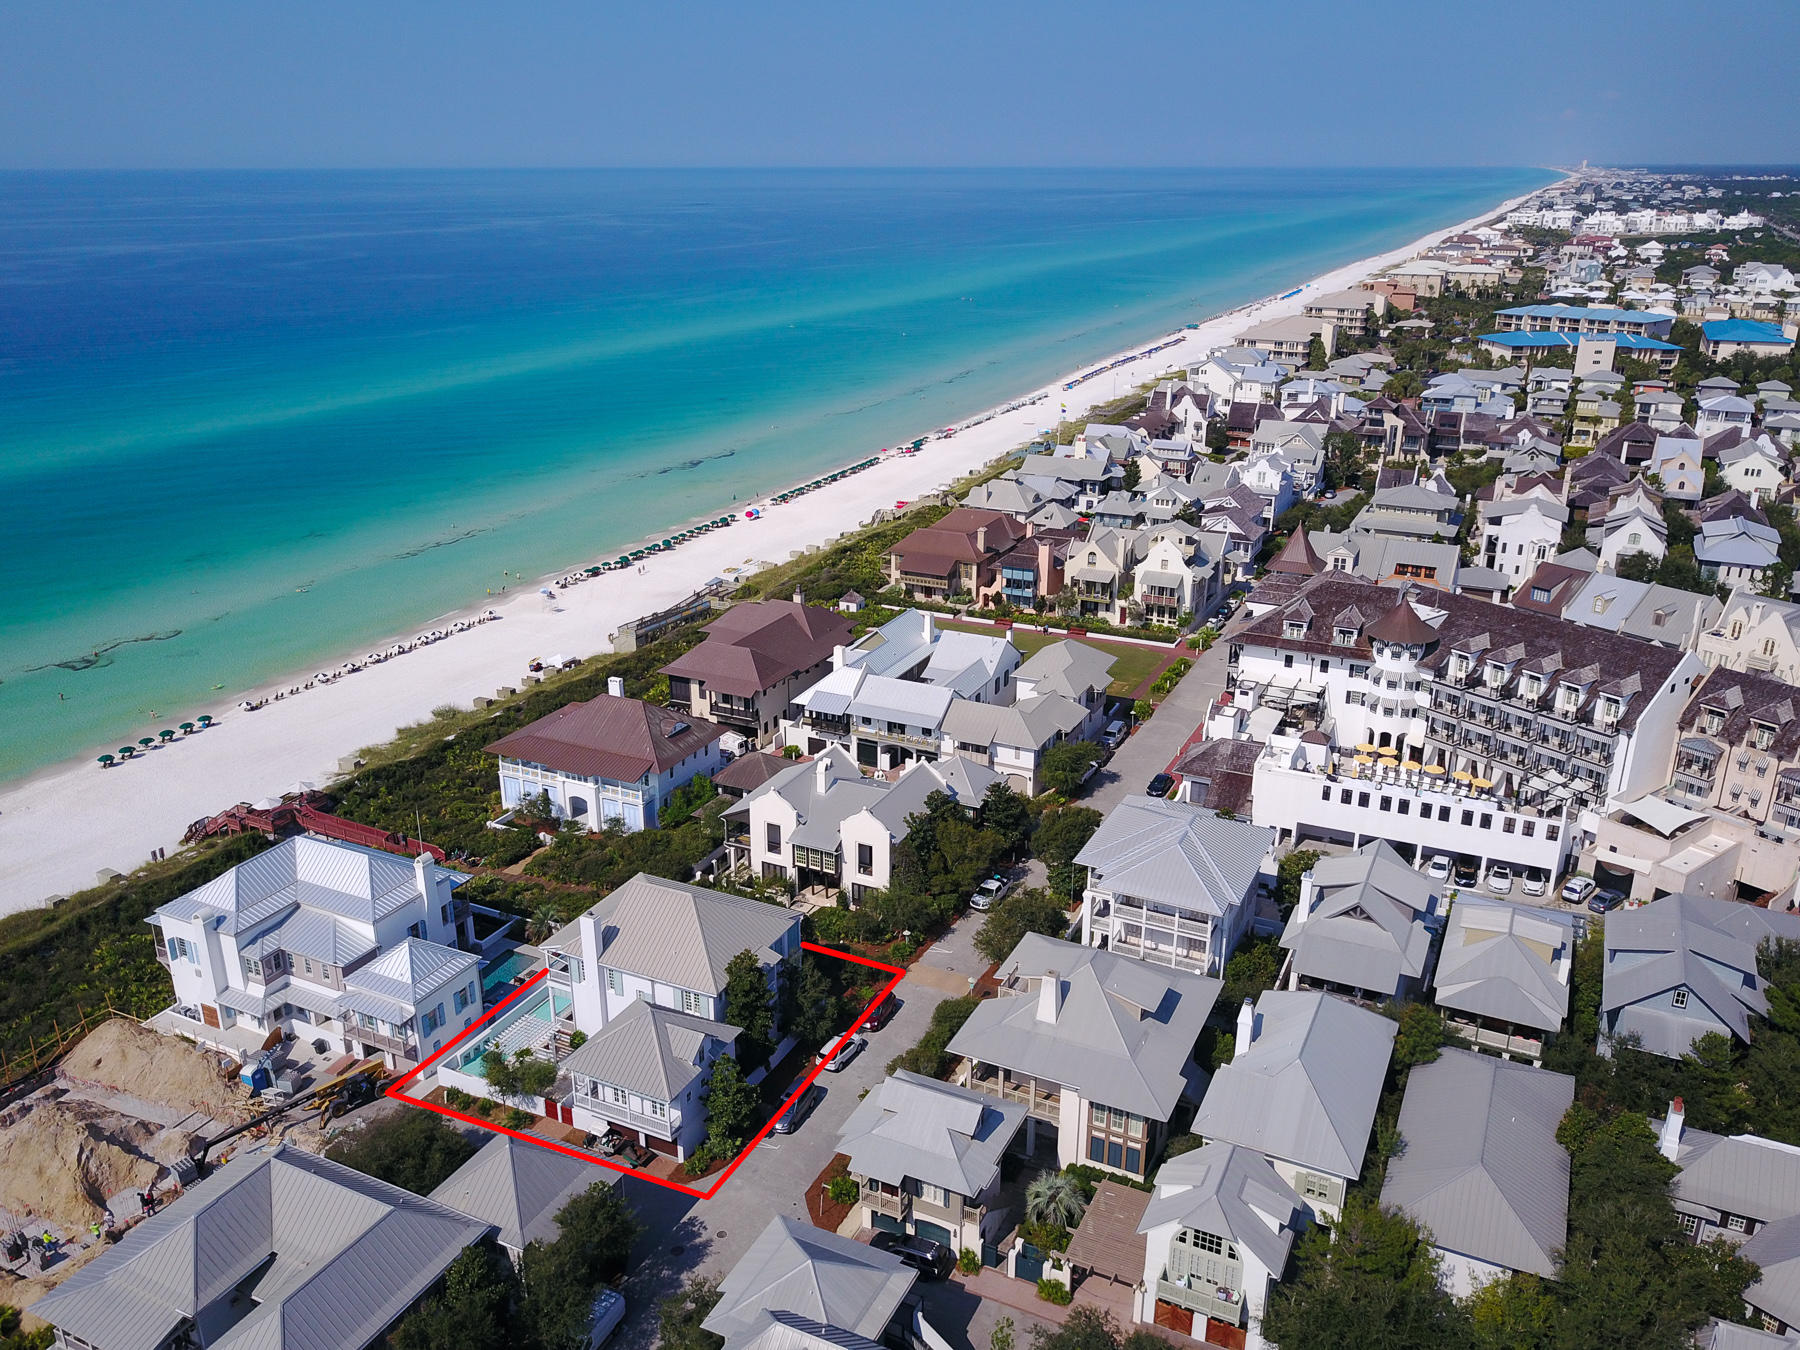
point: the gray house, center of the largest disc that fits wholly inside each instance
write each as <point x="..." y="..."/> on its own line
<point x="519" y="1188"/>
<point x="1301" y="1089"/>
<point x="1685" y="966"/>
<point x="1363" y="925"/>
<point x="1502" y="976"/>
<point x="1480" y="1169"/>
<point x="275" y="1251"/>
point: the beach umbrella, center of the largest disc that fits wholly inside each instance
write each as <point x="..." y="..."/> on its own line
<point x="1462" y="776"/>
<point x="1411" y="766"/>
<point x="206" y="719"/>
<point x="146" y="741"/>
<point x="1364" y="759"/>
<point x="127" y="751"/>
<point x="106" y="761"/>
<point x="1482" y="783"/>
<point x="1364" y="748"/>
<point x="1437" y="769"/>
<point x="187" y="726"/>
<point x="167" y="735"/>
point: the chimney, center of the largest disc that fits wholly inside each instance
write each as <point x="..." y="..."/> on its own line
<point x="822" y="772"/>
<point x="981" y="539"/>
<point x="799" y="599"/>
<point x="930" y="626"/>
<point x="1670" y="1143"/>
<point x="840" y="656"/>
<point x="1049" y="997"/>
<point x="425" y="874"/>
<point x="1246" y="1029"/>
<point x="615" y="686"/>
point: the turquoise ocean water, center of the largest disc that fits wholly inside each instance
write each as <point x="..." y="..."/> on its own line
<point x="248" y="422"/>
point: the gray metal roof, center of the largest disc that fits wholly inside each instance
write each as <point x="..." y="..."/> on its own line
<point x="680" y="934"/>
<point x="410" y="969"/>
<point x="1505" y="962"/>
<point x="1306" y="1088"/>
<point x="1123" y="1032"/>
<point x="796" y="1268"/>
<point x="787" y="1331"/>
<point x="1226" y="1190"/>
<point x="1480" y="1167"/>
<point x="913" y="1126"/>
<point x="1031" y="723"/>
<point x="1175" y="854"/>
<point x="519" y="1188"/>
<point x="1068" y="668"/>
<point x="655" y="1052"/>
<point x="1717" y="1335"/>
<point x="1364" y="926"/>
<point x="350" y="1254"/>
<point x="1737" y="1174"/>
<point x="1776" y="1250"/>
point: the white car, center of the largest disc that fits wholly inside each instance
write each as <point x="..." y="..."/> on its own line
<point x="846" y="1052"/>
<point x="1499" y="878"/>
<point x="988" y="894"/>
<point x="1534" y="883"/>
<point x="1438" y="869"/>
<point x="1576" y="890"/>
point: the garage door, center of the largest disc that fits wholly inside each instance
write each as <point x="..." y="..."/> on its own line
<point x="886" y="1223"/>
<point x="936" y="1232"/>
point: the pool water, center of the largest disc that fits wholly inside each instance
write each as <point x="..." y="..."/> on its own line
<point x="509" y="969"/>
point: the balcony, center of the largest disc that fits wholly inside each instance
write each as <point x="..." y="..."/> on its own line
<point x="894" y="1206"/>
<point x="1208" y="1299"/>
<point x="626" y="1118"/>
<point x="1044" y="1103"/>
<point x="381" y="1040"/>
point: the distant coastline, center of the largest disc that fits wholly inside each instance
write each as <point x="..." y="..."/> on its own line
<point x="44" y="848"/>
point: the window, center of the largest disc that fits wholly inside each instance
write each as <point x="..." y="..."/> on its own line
<point x="1679" y="998"/>
<point x="1406" y="806"/>
<point x="1294" y="628"/>
<point x="657" y="1109"/>
<point x="1362" y="799"/>
<point x="617" y="1095"/>
<point x="1387" y="803"/>
<point x="1208" y="1242"/>
<point x="1315" y="1187"/>
<point x="1343" y="796"/>
<point x="1690" y="1223"/>
<point x="1096" y="1149"/>
<point x="1468" y="817"/>
<point x="615" y="982"/>
<point x="932" y="1195"/>
<point x="1737" y="1223"/>
<point x="444" y="914"/>
<point x="462" y="1000"/>
<point x="865" y="859"/>
<point x="692" y="1003"/>
<point x="1487" y="820"/>
<point x="774" y="838"/>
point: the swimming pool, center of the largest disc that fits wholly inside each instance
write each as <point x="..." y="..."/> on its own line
<point x="508" y="970"/>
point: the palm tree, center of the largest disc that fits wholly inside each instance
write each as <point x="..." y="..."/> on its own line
<point x="1054" y="1198"/>
<point x="544" y="921"/>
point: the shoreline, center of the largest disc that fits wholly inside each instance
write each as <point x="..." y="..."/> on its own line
<point x="48" y="847"/>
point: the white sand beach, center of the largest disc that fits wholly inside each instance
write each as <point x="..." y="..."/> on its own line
<point x="60" y="826"/>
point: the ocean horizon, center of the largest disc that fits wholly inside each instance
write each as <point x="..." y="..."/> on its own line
<point x="256" y="420"/>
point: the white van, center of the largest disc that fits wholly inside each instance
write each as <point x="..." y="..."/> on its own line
<point x="609" y="1312"/>
<point x="1113" y="735"/>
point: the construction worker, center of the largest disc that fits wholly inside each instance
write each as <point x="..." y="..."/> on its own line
<point x="94" y="1228"/>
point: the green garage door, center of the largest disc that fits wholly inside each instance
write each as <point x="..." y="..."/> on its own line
<point x="936" y="1232"/>
<point x="886" y="1223"/>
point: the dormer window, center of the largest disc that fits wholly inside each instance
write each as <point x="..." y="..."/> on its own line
<point x="1294" y="628"/>
<point x="1763" y="737"/>
<point x="1532" y="686"/>
<point x="1344" y="637"/>
<point x="1715" y="721"/>
<point x="1610" y="708"/>
<point x="1496" y="674"/>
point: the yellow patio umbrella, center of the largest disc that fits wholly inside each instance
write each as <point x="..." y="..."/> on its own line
<point x="1412" y="766"/>
<point x="1366" y="748"/>
<point x="1388" y="761"/>
<point x="1364" y="759"/>
<point x="1462" y="776"/>
<point x="1437" y="769"/>
<point x="1483" y="783"/>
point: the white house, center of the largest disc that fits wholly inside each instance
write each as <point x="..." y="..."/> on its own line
<point x="1634" y="524"/>
<point x="610" y="761"/>
<point x="1519" y="534"/>
<point x="324" y="941"/>
<point x="1756" y="467"/>
<point x="1736" y="551"/>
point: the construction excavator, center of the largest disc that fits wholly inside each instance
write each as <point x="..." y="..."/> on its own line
<point x="338" y="1096"/>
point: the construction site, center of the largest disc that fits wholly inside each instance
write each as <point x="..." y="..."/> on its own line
<point x="125" y="1120"/>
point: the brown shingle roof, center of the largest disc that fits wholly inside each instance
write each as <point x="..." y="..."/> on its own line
<point x="1744" y="697"/>
<point x="1297" y="556"/>
<point x="1108" y="1242"/>
<point x="748" y="772"/>
<point x="618" y="738"/>
<point x="752" y="647"/>
<point x="932" y="550"/>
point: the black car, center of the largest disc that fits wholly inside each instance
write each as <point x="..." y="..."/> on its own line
<point x="881" y="1014"/>
<point x="789" y="1120"/>
<point x="1467" y="872"/>
<point x="931" y="1259"/>
<point x="1159" y="786"/>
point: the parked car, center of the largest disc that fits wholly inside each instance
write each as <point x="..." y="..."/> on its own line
<point x="1467" y="872"/>
<point x="798" y="1109"/>
<point x="931" y="1259"/>
<point x="1113" y="735"/>
<point x="604" y="1320"/>
<point x="849" y="1050"/>
<point x="881" y="1014"/>
<point x="1499" y="878"/>
<point x="1438" y="869"/>
<point x="1159" y="786"/>
<point x="1577" y="889"/>
<point x="989" y="894"/>
<point x="1603" y="902"/>
<point x="1534" y="883"/>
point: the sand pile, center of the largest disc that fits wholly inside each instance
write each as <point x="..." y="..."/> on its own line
<point x="60" y="1160"/>
<point x="124" y="1057"/>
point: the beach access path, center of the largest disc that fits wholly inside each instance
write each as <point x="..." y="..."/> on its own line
<point x="60" y="826"/>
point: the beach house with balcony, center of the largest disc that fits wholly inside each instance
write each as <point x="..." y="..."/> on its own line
<point x="611" y="761"/>
<point x="927" y="1158"/>
<point x="1301" y="1089"/>
<point x="1521" y="533"/>
<point x="1755" y="633"/>
<point x="755" y="658"/>
<point x="1098" y="1047"/>
<point x="1502" y="977"/>
<point x="958" y="555"/>
<point x="823" y="824"/>
<point x="882" y="721"/>
<point x="1171" y="884"/>
<point x="1736" y="550"/>
<point x="914" y="646"/>
<point x="1218" y="1231"/>
<point x="1363" y="926"/>
<point x="1482" y="1172"/>
<point x="1739" y="750"/>
<point x="1077" y="671"/>
<point x="325" y="941"/>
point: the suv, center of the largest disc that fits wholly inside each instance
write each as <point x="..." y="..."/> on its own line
<point x="1114" y="733"/>
<point x="1577" y="889"/>
<point x="931" y="1259"/>
<point x="881" y="1014"/>
<point x="988" y="894"/>
<point x="801" y="1107"/>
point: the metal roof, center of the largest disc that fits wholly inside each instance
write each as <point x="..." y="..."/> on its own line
<point x="912" y="1126"/>
<point x="1233" y="1193"/>
<point x="333" y="1257"/>
<point x="1305" y="1089"/>
<point x="680" y="934"/>
<point x="788" y="1331"/>
<point x="519" y="1188"/>
<point x="1123" y="1031"/>
<point x="1176" y="854"/>
<point x="1505" y="962"/>
<point x="1745" y="330"/>
<point x="411" y="969"/>
<point x="1775" y="1249"/>
<point x="1067" y="668"/>
<point x="654" y="1052"/>
<point x="1481" y="1169"/>
<point x="795" y="1268"/>
<point x="1737" y="1174"/>
<point x="1363" y="925"/>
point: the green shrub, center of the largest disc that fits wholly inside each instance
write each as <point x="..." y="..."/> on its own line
<point x="577" y="1039"/>
<point x="456" y="1097"/>
<point x="700" y="1159"/>
<point x="969" y="1262"/>
<point x="1055" y="1291"/>
<point x="843" y="1190"/>
<point x="519" y="1120"/>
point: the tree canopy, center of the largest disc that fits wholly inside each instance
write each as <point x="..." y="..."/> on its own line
<point x="410" y="1148"/>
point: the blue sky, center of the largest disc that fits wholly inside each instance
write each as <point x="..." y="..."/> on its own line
<point x="203" y="83"/>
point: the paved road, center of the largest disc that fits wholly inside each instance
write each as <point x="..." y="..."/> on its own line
<point x="685" y="1236"/>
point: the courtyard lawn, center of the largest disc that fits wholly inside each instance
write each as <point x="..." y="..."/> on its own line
<point x="1133" y="670"/>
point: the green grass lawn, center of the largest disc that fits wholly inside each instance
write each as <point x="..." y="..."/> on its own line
<point x="1133" y="668"/>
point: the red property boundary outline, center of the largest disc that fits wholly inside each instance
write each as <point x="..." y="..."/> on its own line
<point x="397" y="1090"/>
